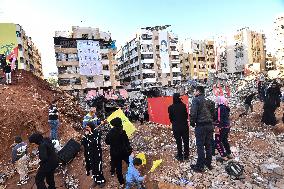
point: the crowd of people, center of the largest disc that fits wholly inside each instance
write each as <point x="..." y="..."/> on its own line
<point x="209" y="118"/>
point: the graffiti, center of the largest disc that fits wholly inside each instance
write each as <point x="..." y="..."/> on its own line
<point x="8" y="48"/>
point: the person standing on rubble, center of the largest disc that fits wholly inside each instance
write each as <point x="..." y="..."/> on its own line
<point x="222" y="128"/>
<point x="53" y="120"/>
<point x="48" y="161"/>
<point x="91" y="117"/>
<point x="120" y="148"/>
<point x="20" y="159"/>
<point x="8" y="71"/>
<point x="93" y="154"/>
<point x="179" y="118"/>
<point x="248" y="104"/>
<point x="201" y="120"/>
<point x="271" y="103"/>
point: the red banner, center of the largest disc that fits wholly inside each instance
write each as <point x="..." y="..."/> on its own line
<point x="158" y="108"/>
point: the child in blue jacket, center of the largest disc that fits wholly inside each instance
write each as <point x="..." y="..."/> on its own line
<point x="133" y="177"/>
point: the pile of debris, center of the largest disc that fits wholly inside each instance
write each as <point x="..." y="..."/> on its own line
<point x="259" y="148"/>
<point x="24" y="110"/>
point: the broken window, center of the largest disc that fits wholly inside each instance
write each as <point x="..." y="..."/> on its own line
<point x="106" y="78"/>
<point x="62" y="70"/>
<point x="104" y="57"/>
<point x="85" y="36"/>
<point x="90" y="79"/>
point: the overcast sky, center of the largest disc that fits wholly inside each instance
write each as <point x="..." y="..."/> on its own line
<point x="195" y="19"/>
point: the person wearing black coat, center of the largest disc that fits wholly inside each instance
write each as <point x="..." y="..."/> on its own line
<point x="271" y="103"/>
<point x="91" y="142"/>
<point x="248" y="104"/>
<point x="179" y="118"/>
<point x="48" y="161"/>
<point x="120" y="148"/>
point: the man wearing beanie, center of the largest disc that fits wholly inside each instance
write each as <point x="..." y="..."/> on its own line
<point x="20" y="159"/>
<point x="48" y="161"/>
<point x="120" y="148"/>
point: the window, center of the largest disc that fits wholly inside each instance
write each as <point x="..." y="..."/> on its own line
<point x="173" y="48"/>
<point x="18" y="34"/>
<point x="106" y="78"/>
<point x="157" y="47"/>
<point x="20" y="47"/>
<point x="90" y="78"/>
<point x="175" y="57"/>
<point x="147" y="56"/>
<point x="85" y="36"/>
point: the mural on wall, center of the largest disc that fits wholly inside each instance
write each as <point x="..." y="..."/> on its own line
<point x="8" y="41"/>
<point x="89" y="57"/>
<point x="164" y="51"/>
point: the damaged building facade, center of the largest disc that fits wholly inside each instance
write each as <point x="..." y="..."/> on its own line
<point x="197" y="58"/>
<point x="241" y="53"/>
<point x="149" y="59"/>
<point x="85" y="58"/>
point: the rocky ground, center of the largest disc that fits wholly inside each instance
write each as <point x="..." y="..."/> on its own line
<point x="259" y="148"/>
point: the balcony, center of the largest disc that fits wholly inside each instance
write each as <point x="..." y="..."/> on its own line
<point x="68" y="75"/>
<point x="146" y="42"/>
<point x="105" y="62"/>
<point x="65" y="50"/>
<point x="147" y="61"/>
<point x="67" y="63"/>
<point x="175" y="61"/>
<point x="104" y="51"/>
<point x="176" y="70"/>
<point x="70" y="88"/>
<point x="174" y="53"/>
<point x="149" y="80"/>
<point x="148" y="71"/>
<point x="177" y="78"/>
<point x="106" y="72"/>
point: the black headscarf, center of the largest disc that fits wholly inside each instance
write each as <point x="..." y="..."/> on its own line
<point x="176" y="98"/>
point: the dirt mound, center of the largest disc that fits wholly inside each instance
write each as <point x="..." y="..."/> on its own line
<point x="24" y="110"/>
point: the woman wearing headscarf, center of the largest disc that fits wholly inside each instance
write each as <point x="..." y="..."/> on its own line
<point x="120" y="148"/>
<point x="222" y="128"/>
<point x="93" y="154"/>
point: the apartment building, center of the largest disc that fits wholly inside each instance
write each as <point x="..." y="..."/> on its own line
<point x="15" y="44"/>
<point x="279" y="40"/>
<point x="197" y="58"/>
<point x="85" y="58"/>
<point x="150" y="59"/>
<point x="239" y="52"/>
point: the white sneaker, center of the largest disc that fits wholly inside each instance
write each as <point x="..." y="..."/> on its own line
<point x="22" y="182"/>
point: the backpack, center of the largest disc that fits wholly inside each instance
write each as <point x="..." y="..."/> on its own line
<point x="235" y="170"/>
